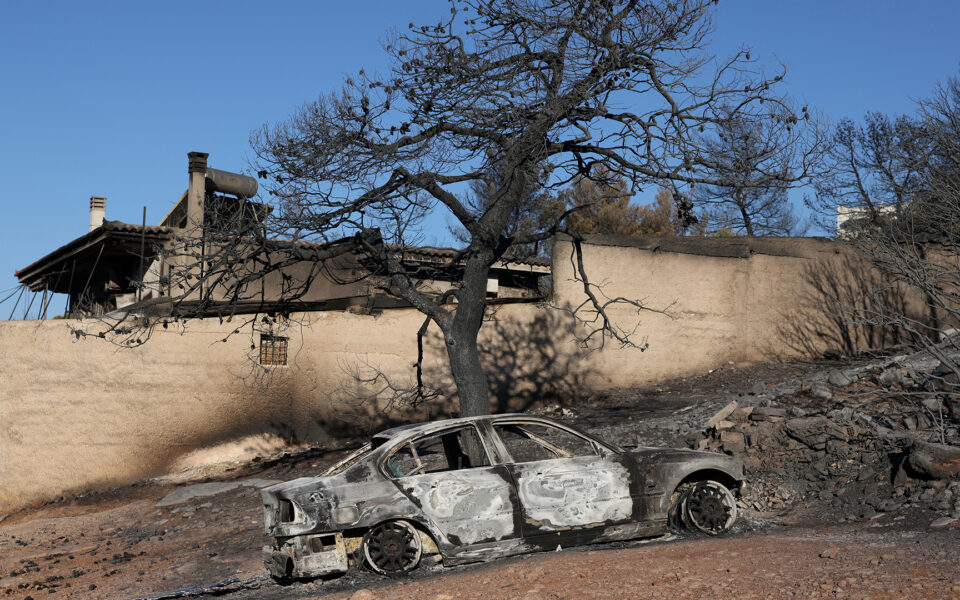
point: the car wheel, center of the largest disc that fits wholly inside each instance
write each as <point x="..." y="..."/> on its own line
<point x="392" y="548"/>
<point x="709" y="507"/>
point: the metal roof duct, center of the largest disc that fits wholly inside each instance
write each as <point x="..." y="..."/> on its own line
<point x="235" y="184"/>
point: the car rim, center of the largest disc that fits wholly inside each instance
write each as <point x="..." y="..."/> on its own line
<point x="710" y="507"/>
<point x="392" y="547"/>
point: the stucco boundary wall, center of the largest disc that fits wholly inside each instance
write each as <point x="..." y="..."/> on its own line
<point x="80" y="414"/>
<point x="723" y="299"/>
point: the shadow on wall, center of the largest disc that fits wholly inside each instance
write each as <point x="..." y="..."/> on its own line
<point x="528" y="359"/>
<point x="848" y="306"/>
<point x="527" y="354"/>
<point x="532" y="361"/>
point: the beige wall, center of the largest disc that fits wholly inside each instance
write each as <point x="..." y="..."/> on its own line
<point x="80" y="414"/>
<point x="76" y="414"/>
<point x="722" y="300"/>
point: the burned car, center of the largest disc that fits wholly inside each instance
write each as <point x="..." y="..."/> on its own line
<point x="476" y="488"/>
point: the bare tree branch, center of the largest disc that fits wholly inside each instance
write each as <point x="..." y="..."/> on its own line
<point x="541" y="92"/>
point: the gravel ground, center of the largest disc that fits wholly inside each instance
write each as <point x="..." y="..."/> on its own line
<point x="853" y="561"/>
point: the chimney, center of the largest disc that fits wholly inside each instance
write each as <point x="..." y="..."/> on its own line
<point x="98" y="211"/>
<point x="196" y="189"/>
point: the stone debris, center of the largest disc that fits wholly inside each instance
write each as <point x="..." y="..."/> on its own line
<point x="725" y="412"/>
<point x="943" y="522"/>
<point x="883" y="436"/>
<point x="934" y="461"/>
<point x="840" y="378"/>
<point x="768" y="413"/>
<point x="732" y="442"/>
<point x="815" y="432"/>
<point x="821" y="391"/>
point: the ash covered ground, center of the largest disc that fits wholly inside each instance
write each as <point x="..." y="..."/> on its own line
<point x="866" y="448"/>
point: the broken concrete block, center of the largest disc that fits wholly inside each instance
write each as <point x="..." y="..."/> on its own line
<point x="900" y="475"/>
<point x="839" y="379"/>
<point x="725" y="425"/>
<point x="893" y="376"/>
<point x="732" y="442"/>
<point x="819" y="390"/>
<point x="942" y="522"/>
<point x="944" y="377"/>
<point x="723" y="413"/>
<point x="943" y="369"/>
<point x="814" y="431"/>
<point x="768" y="413"/>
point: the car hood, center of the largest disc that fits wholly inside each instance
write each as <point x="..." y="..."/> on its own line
<point x="362" y="470"/>
<point x="288" y="489"/>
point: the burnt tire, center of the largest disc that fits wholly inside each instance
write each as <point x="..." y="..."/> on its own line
<point x="703" y="506"/>
<point x="392" y="548"/>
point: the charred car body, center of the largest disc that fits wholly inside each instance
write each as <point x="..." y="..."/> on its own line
<point x="476" y="488"/>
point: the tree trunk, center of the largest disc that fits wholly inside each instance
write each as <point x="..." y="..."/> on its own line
<point x="742" y="205"/>
<point x="467" y="372"/>
<point x="461" y="340"/>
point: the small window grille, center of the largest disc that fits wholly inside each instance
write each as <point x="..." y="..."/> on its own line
<point x="273" y="349"/>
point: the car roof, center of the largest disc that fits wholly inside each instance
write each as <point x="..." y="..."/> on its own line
<point x="418" y="428"/>
<point x="415" y="429"/>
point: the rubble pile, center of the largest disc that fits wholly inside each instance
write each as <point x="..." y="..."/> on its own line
<point x="854" y="443"/>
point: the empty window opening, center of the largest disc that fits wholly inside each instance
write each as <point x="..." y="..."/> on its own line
<point x="531" y="442"/>
<point x="447" y="451"/>
<point x="273" y="349"/>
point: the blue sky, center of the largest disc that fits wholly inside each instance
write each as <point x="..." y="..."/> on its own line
<point x="101" y="98"/>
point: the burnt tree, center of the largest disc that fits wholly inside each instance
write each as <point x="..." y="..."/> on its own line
<point x="871" y="172"/>
<point x="507" y="95"/>
<point x="897" y="182"/>
<point x="518" y="85"/>
<point x="755" y="163"/>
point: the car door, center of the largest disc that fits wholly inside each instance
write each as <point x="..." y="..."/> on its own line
<point x="450" y="476"/>
<point x="564" y="481"/>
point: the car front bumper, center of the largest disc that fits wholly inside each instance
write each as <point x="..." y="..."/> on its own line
<point x="307" y="556"/>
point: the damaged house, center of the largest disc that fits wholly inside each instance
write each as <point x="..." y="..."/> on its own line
<point x="119" y="265"/>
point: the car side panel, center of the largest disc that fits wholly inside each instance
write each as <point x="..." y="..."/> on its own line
<point x="573" y="493"/>
<point x="468" y="506"/>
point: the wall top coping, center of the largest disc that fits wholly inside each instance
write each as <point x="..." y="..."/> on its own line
<point x="732" y="247"/>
